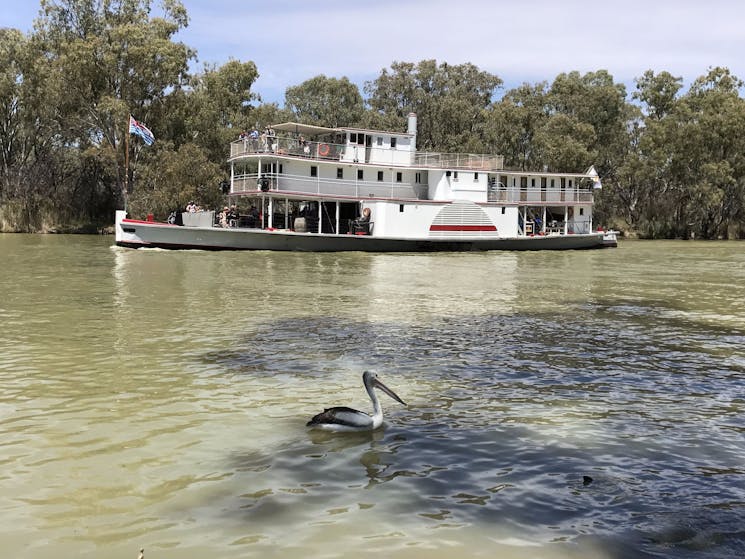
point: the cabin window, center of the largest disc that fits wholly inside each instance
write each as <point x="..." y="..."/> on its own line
<point x="353" y="138"/>
<point x="543" y="183"/>
<point x="582" y="211"/>
<point x="313" y="171"/>
<point x="553" y="183"/>
<point x="399" y="176"/>
<point x="360" y="139"/>
<point x="513" y="181"/>
<point x="359" y="174"/>
<point x="379" y="141"/>
<point x="523" y="182"/>
<point x="455" y="175"/>
<point x="400" y="208"/>
<point x="380" y="176"/>
<point x="418" y="178"/>
<point x="339" y="172"/>
<point x="281" y="168"/>
<point x="393" y="143"/>
<point x="475" y="177"/>
<point x="504" y="211"/>
<point x="570" y="183"/>
<point x="532" y="183"/>
<point x="563" y="182"/>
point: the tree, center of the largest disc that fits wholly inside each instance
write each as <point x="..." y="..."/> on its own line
<point x="325" y="102"/>
<point x="595" y="99"/>
<point x="510" y="125"/>
<point x="110" y="58"/>
<point x="448" y="101"/>
<point x="658" y="92"/>
<point x="178" y="177"/>
<point x="215" y="109"/>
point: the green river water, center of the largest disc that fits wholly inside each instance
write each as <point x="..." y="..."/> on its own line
<point x="158" y="400"/>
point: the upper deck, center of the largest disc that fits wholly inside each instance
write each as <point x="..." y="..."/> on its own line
<point x="299" y="159"/>
<point x="355" y="145"/>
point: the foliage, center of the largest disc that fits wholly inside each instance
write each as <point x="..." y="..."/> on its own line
<point x="179" y="177"/>
<point x="325" y="102"/>
<point x="672" y="161"/>
<point x="448" y="101"/>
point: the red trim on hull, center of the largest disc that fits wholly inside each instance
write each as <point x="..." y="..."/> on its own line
<point x="127" y="220"/>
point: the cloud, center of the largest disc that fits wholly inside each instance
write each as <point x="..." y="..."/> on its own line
<point x="533" y="40"/>
<point x="529" y="41"/>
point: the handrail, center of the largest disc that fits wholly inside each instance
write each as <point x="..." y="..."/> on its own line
<point x="249" y="183"/>
<point x="330" y="151"/>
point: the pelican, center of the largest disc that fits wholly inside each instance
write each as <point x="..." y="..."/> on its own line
<point x="348" y="419"/>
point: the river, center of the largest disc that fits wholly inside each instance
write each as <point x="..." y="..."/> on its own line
<point x="580" y="404"/>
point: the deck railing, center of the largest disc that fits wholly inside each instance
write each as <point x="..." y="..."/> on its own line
<point x="540" y="195"/>
<point x="276" y="182"/>
<point x="249" y="183"/>
<point x="471" y="161"/>
<point x="328" y="151"/>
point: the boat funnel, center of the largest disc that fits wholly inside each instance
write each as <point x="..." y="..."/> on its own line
<point x="411" y="129"/>
<point x="412" y="124"/>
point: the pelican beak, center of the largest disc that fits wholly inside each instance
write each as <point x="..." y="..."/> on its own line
<point x="391" y="393"/>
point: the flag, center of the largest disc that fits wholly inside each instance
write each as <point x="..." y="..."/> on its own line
<point x="141" y="130"/>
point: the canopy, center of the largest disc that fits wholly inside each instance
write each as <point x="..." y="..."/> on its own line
<point x="306" y="129"/>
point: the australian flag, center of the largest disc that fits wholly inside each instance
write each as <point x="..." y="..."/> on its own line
<point x="141" y="130"/>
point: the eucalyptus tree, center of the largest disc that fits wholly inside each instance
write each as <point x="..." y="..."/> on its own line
<point x="217" y="107"/>
<point x="182" y="174"/>
<point x="710" y="155"/>
<point x="448" y="100"/>
<point x="28" y="154"/>
<point x="686" y="174"/>
<point x="110" y="58"/>
<point x="197" y="124"/>
<point x="657" y="93"/>
<point x="325" y="102"/>
<point x="595" y="99"/>
<point x="511" y="124"/>
<point x="15" y="139"/>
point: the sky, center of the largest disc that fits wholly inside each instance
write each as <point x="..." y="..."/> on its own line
<point x="291" y="41"/>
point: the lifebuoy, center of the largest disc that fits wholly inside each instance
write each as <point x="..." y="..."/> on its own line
<point x="323" y="150"/>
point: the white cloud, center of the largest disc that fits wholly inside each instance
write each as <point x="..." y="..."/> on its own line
<point x="532" y="40"/>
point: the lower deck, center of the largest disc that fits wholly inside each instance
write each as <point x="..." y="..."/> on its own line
<point x="409" y="218"/>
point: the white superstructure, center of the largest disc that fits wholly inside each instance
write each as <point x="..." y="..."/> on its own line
<point x="308" y="187"/>
<point x="417" y="195"/>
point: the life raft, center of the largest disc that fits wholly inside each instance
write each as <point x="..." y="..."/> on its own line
<point x="324" y="150"/>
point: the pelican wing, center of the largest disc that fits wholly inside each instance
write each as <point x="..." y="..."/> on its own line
<point x="342" y="416"/>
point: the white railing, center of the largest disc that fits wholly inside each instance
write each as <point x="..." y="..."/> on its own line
<point x="476" y="162"/>
<point x="540" y="195"/>
<point x="276" y="182"/>
<point x="353" y="153"/>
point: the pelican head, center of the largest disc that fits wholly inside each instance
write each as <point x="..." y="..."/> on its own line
<point x="370" y="380"/>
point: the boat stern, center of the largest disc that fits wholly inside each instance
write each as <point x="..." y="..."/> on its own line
<point x="119" y="216"/>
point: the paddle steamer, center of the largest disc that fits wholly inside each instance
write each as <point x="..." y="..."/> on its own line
<point x="313" y="188"/>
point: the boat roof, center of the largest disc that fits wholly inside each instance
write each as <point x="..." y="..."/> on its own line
<point x="300" y="128"/>
<point x="310" y="129"/>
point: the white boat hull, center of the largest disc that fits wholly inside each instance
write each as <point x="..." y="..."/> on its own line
<point x="149" y="234"/>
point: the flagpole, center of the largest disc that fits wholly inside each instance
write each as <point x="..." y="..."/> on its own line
<point x="126" y="163"/>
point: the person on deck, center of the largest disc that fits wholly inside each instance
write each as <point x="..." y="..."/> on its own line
<point x="361" y="225"/>
<point x="233" y="216"/>
<point x="223" y="217"/>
